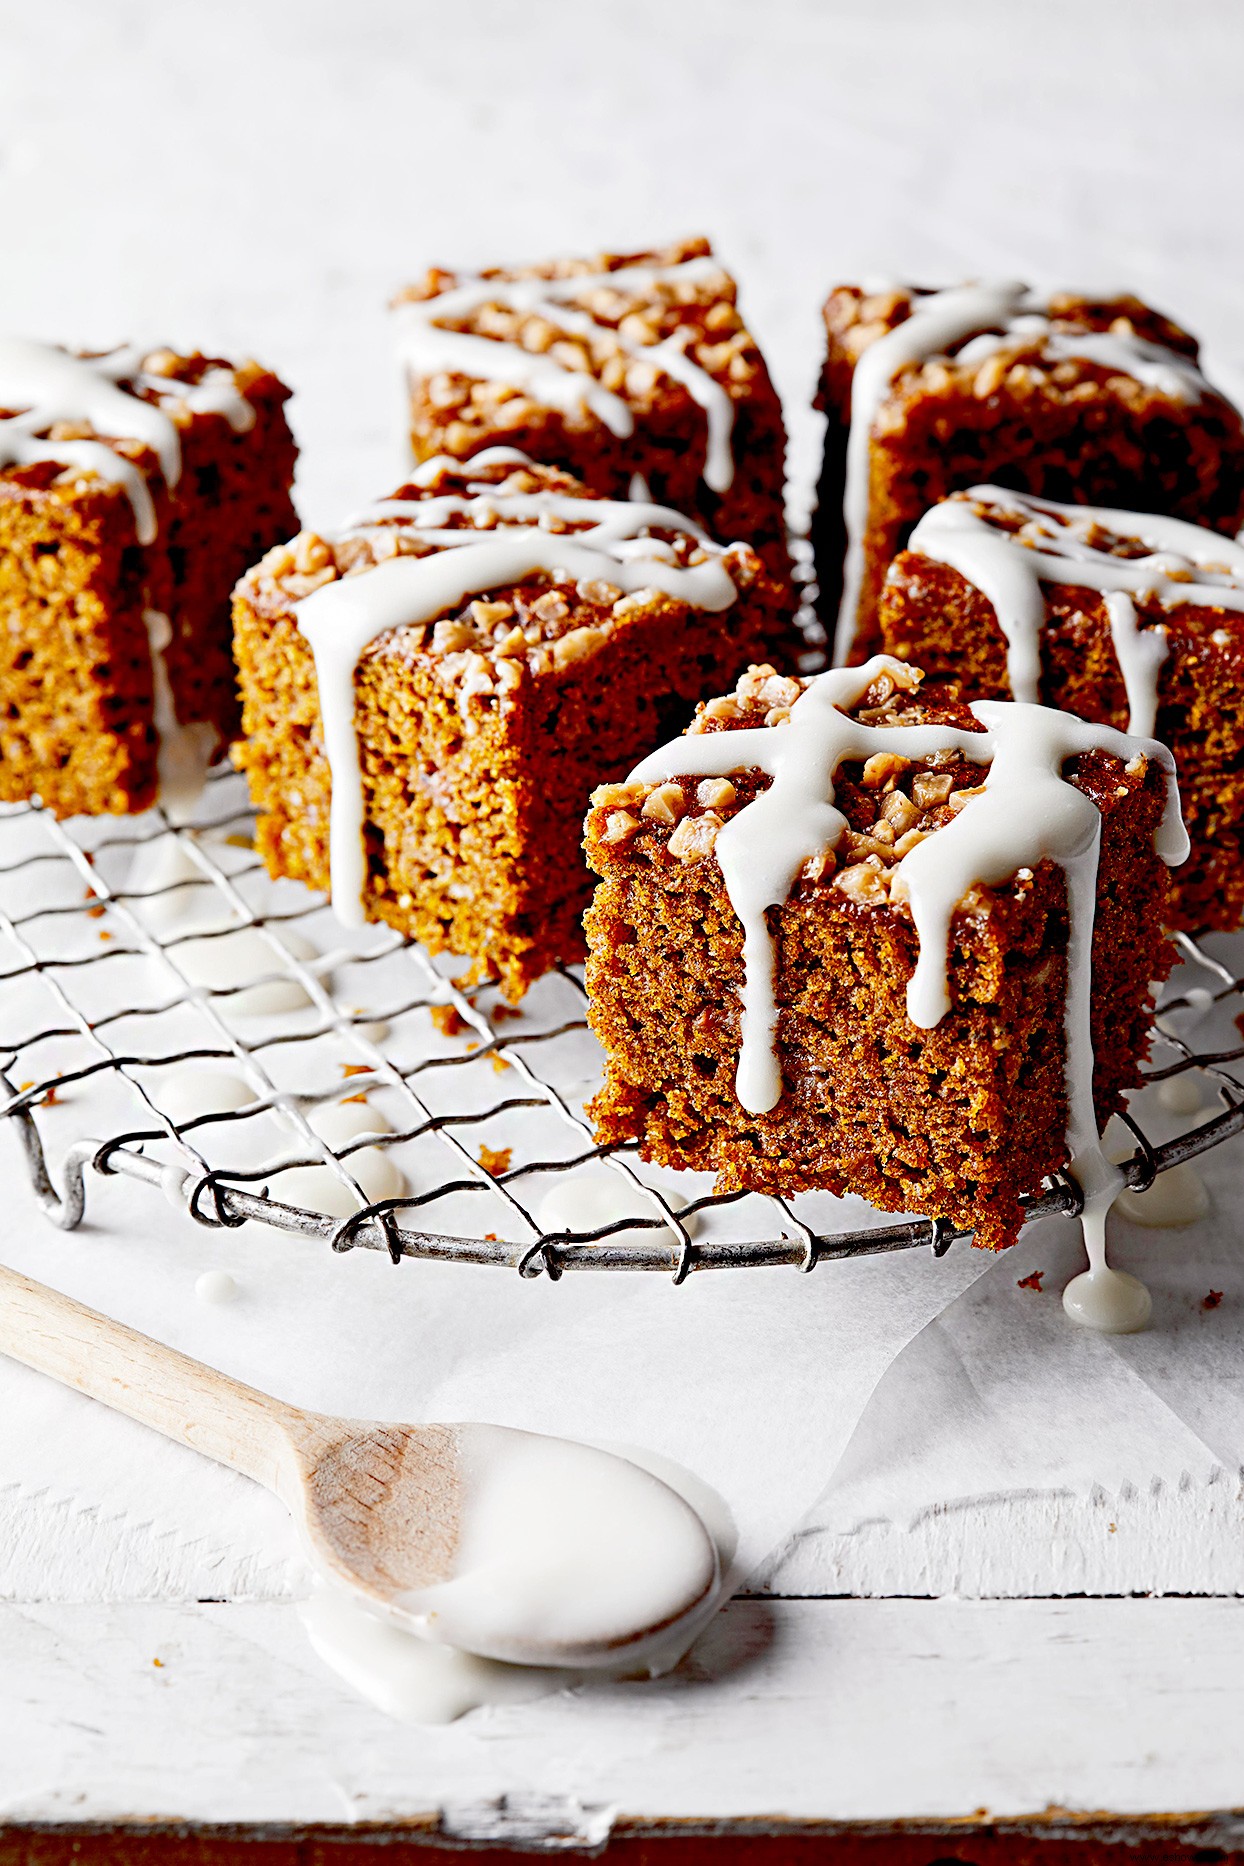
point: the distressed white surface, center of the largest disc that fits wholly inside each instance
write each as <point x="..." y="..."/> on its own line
<point x="261" y="181"/>
<point x="849" y="1710"/>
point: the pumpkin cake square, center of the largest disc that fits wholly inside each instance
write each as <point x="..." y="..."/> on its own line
<point x="135" y="488"/>
<point x="429" y="695"/>
<point x="853" y="935"/>
<point x="621" y="368"/>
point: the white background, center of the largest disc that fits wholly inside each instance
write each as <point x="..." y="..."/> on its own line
<point x="258" y="176"/>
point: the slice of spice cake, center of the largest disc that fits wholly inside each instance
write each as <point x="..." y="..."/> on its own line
<point x="429" y="696"/>
<point x="611" y="367"/>
<point x="135" y="488"/>
<point x="857" y="936"/>
<point x="1123" y="617"/>
<point x="1095" y="401"/>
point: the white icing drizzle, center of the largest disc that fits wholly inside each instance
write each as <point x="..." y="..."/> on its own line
<point x="340" y="619"/>
<point x="1177" y="1197"/>
<point x="425" y="344"/>
<point x="1025" y="813"/>
<point x="216" y="1286"/>
<point x="215" y="393"/>
<point x="1183" y="565"/>
<point x="49" y="385"/>
<point x="999" y="316"/>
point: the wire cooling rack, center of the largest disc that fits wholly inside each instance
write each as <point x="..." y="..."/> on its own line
<point x="136" y="953"/>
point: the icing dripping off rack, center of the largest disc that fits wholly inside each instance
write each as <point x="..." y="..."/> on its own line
<point x="107" y="988"/>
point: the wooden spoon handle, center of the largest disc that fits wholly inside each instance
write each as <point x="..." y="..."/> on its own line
<point x="235" y="1424"/>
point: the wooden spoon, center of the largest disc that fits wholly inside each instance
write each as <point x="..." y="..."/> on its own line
<point x="380" y="1506"/>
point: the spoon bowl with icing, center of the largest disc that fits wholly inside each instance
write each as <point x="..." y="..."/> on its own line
<point x="507" y="1544"/>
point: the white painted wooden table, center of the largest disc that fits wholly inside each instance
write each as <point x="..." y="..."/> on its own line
<point x="260" y="175"/>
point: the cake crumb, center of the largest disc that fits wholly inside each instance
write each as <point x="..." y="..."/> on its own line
<point x="1212" y="1300"/>
<point x="495" y="1160"/>
<point x="448" y="1019"/>
<point x="1032" y="1281"/>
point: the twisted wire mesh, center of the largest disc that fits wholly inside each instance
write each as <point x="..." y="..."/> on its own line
<point x="107" y="927"/>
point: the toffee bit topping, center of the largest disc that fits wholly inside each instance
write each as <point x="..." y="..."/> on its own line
<point x="666" y="804"/>
<point x="589" y="339"/>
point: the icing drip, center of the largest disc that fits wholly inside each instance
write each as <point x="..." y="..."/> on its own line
<point x="1181" y="564"/>
<point x="995" y="317"/>
<point x="340" y="619"/>
<point x="185" y="751"/>
<point x="425" y="344"/>
<point x="50" y="385"/>
<point x="1025" y="813"/>
<point x="1140" y="654"/>
<point x="1110" y="1301"/>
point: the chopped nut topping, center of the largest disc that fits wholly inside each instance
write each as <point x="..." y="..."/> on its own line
<point x="451" y="636"/>
<point x="606" y="796"/>
<point x="311" y="553"/>
<point x="818" y="866"/>
<point x="929" y="788"/>
<point x="863" y="884"/>
<point x="620" y="826"/>
<point x="515" y="642"/>
<point x="899" y="812"/>
<point x="598" y="592"/>
<point x="667" y="804"/>
<point x="960" y="799"/>
<point x="279" y="561"/>
<point x="551" y="607"/>
<point x="487" y="615"/>
<point x="695" y="836"/>
<point x="883" y="768"/>
<point x="766" y="688"/>
<point x="638" y="599"/>
<point x="715" y="793"/>
<point x="576" y="646"/>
